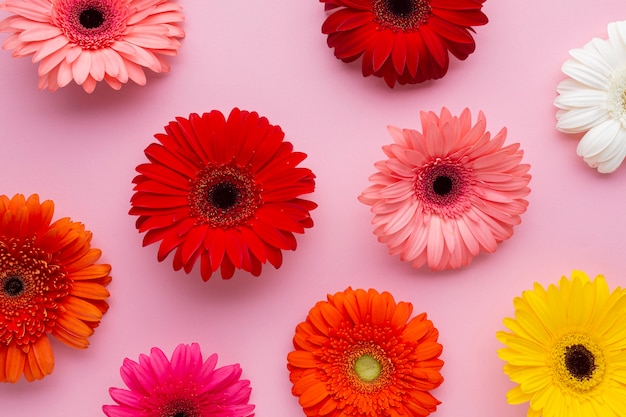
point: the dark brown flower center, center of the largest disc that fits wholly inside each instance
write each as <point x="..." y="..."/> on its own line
<point x="579" y="361"/>
<point x="13" y="286"/>
<point x="224" y="196"/>
<point x="91" y="18"/>
<point x="404" y="15"/>
<point x="442" y="185"/>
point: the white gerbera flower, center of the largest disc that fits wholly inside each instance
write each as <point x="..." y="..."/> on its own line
<point x="593" y="99"/>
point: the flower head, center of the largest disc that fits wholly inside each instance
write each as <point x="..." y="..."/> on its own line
<point x="49" y="284"/>
<point x="565" y="349"/>
<point x="185" y="386"/>
<point x="222" y="191"/>
<point x="89" y="41"/>
<point x="360" y="354"/>
<point x="592" y="100"/>
<point x="447" y="193"/>
<point x="404" y="41"/>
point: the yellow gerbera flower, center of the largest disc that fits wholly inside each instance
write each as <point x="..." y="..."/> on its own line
<point x="566" y="349"/>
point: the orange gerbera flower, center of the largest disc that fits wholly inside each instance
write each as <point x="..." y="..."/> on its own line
<point x="359" y="354"/>
<point x="49" y="284"/>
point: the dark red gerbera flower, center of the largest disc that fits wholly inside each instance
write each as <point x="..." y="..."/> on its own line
<point x="224" y="192"/>
<point x="404" y="41"/>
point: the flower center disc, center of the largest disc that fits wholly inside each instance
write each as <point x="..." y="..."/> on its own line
<point x="90" y="24"/>
<point x="367" y="368"/>
<point x="403" y="15"/>
<point x="444" y="187"/>
<point x="578" y="363"/>
<point x="12" y="286"/>
<point x="180" y="407"/>
<point x="91" y="18"/>
<point x="223" y="196"/>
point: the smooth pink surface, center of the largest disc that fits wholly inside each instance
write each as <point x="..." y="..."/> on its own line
<point x="80" y="150"/>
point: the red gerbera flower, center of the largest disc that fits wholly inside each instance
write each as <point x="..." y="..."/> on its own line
<point x="403" y="40"/>
<point x="224" y="192"/>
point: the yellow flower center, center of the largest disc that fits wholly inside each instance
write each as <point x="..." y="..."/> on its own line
<point x="578" y="363"/>
<point x="367" y="368"/>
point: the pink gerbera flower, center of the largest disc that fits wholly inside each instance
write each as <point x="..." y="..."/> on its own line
<point x="184" y="386"/>
<point x="447" y="193"/>
<point x="93" y="40"/>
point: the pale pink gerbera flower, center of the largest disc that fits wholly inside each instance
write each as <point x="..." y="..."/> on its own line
<point x="184" y="386"/>
<point x="93" y="40"/>
<point x="448" y="193"/>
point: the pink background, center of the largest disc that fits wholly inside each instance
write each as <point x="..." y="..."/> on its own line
<point x="81" y="150"/>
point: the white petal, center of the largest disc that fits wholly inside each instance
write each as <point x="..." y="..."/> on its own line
<point x="586" y="75"/>
<point x="584" y="97"/>
<point x="597" y="140"/>
<point x="580" y="120"/>
<point x="613" y="157"/>
<point x="592" y="60"/>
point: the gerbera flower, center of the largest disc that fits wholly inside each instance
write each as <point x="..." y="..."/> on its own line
<point x="88" y="41"/>
<point x="566" y="348"/>
<point x="593" y="100"/>
<point x="185" y="386"/>
<point x="49" y="284"/>
<point x="407" y="41"/>
<point x="447" y="193"/>
<point x="360" y="354"/>
<point x="224" y="192"/>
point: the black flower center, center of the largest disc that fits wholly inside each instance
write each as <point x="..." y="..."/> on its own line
<point x="13" y="286"/>
<point x="400" y="7"/>
<point x="224" y="195"/>
<point x="401" y="15"/>
<point x="91" y="18"/>
<point x="180" y="414"/>
<point x="442" y="185"/>
<point x="579" y="361"/>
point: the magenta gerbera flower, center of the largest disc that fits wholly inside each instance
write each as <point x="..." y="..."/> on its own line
<point x="89" y="41"/>
<point x="185" y="386"/>
<point x="448" y="193"/>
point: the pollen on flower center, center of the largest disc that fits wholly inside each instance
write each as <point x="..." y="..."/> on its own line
<point x="91" y="24"/>
<point x="616" y="97"/>
<point x="401" y="15"/>
<point x="443" y="187"/>
<point x="180" y="408"/>
<point x="578" y="363"/>
<point x="223" y="196"/>
<point x="27" y="273"/>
